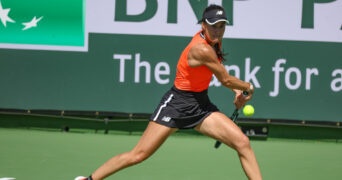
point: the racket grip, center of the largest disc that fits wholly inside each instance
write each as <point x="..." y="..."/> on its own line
<point x="245" y="93"/>
<point x="217" y="144"/>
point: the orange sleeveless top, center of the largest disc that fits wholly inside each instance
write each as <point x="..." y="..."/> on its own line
<point x="188" y="78"/>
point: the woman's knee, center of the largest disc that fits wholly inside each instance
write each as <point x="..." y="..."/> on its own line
<point x="138" y="157"/>
<point x="242" y="143"/>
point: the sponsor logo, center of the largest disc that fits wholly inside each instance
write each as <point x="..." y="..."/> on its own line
<point x="219" y="12"/>
<point x="36" y="24"/>
<point x="166" y="119"/>
<point x="40" y="25"/>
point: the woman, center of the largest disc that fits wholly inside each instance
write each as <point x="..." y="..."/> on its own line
<point x="187" y="105"/>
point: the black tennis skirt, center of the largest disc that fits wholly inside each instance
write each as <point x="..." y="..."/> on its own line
<point x="183" y="109"/>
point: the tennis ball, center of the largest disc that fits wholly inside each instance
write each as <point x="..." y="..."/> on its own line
<point x="248" y="110"/>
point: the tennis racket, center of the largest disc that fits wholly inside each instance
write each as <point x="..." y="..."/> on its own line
<point x="233" y="117"/>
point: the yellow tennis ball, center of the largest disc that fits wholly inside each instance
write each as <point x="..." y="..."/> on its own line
<point x="248" y="110"/>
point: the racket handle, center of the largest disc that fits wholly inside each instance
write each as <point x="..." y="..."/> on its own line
<point x="245" y="93"/>
<point x="217" y="144"/>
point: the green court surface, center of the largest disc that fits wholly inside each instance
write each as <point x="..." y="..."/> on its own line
<point x="28" y="154"/>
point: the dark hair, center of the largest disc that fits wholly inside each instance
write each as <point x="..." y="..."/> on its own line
<point x="219" y="52"/>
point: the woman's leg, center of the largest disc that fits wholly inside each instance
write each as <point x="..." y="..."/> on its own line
<point x="153" y="136"/>
<point x="220" y="127"/>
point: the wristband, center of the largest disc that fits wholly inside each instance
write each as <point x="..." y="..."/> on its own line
<point x="251" y="87"/>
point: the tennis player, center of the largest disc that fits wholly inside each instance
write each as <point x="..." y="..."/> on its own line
<point x="187" y="105"/>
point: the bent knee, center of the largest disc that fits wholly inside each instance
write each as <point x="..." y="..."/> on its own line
<point x="138" y="157"/>
<point x="242" y="143"/>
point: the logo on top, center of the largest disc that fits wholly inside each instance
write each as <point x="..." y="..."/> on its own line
<point x="219" y="12"/>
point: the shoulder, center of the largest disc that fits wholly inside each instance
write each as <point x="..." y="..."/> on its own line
<point x="202" y="51"/>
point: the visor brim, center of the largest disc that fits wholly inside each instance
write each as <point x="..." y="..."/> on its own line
<point x="214" y="21"/>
